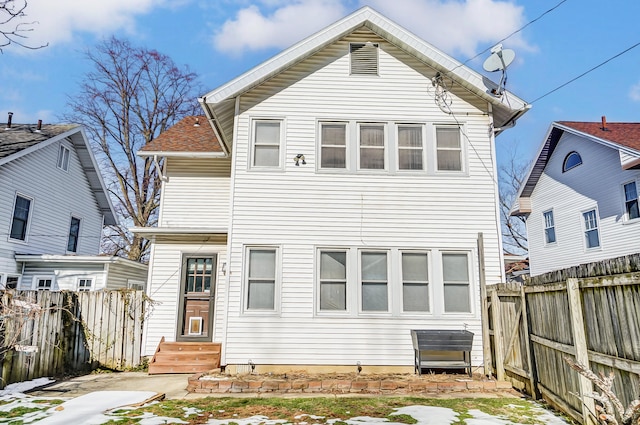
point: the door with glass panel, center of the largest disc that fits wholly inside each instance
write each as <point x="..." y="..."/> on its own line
<point x="197" y="291"/>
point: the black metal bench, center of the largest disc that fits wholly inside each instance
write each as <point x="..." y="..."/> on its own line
<point x="427" y="342"/>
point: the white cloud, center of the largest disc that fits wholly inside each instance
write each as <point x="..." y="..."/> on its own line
<point x="634" y="93"/>
<point x="453" y="26"/>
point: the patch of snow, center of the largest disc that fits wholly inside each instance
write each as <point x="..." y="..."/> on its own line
<point x="253" y="420"/>
<point x="481" y="418"/>
<point x="304" y="415"/>
<point x="429" y="415"/>
<point x="188" y="411"/>
<point x="21" y="387"/>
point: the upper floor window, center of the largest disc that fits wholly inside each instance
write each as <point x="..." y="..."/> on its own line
<point x="449" y="148"/>
<point x="572" y="160"/>
<point x="592" y="238"/>
<point x="549" y="227"/>
<point x="410" y="147"/>
<point x="333" y="280"/>
<point x="74" y="235"/>
<point x="631" y="200"/>
<point x="455" y="274"/>
<point x="415" y="281"/>
<point x="63" y="158"/>
<point x="266" y="143"/>
<point x="20" y="221"/>
<point x="372" y="147"/>
<point x="373" y="281"/>
<point x="333" y="145"/>
<point x="364" y="58"/>
<point x="261" y="278"/>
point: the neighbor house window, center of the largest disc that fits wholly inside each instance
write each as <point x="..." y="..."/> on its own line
<point x="372" y="146"/>
<point x="333" y="280"/>
<point x="333" y="145"/>
<point x="85" y="284"/>
<point x="449" y="149"/>
<point x="415" y="282"/>
<point x="12" y="282"/>
<point x="20" y="219"/>
<point x="364" y="58"/>
<point x="549" y="227"/>
<point x="572" y="160"/>
<point x="44" y="283"/>
<point x="63" y="158"/>
<point x="266" y="143"/>
<point x="592" y="238"/>
<point x="410" y="147"/>
<point x="373" y="281"/>
<point x="455" y="273"/>
<point x="631" y="200"/>
<point x="74" y="234"/>
<point x="261" y="278"/>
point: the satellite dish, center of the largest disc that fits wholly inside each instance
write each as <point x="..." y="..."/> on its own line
<point x="499" y="60"/>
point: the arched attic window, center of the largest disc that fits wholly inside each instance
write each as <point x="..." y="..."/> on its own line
<point x="572" y="160"/>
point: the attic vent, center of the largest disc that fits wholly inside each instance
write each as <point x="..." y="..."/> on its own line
<point x="364" y="58"/>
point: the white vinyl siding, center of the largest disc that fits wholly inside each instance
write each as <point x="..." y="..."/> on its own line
<point x="549" y="227"/>
<point x="449" y="148"/>
<point x="591" y="233"/>
<point x="267" y="141"/>
<point x="632" y="209"/>
<point x="63" y="158"/>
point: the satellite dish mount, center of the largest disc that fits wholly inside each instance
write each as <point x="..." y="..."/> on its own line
<point x="499" y="60"/>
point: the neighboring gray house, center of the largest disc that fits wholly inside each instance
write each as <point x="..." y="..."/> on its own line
<point x="55" y="203"/>
<point x="581" y="195"/>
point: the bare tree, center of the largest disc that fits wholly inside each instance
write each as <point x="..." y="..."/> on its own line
<point x="514" y="231"/>
<point x="131" y="95"/>
<point x="12" y="29"/>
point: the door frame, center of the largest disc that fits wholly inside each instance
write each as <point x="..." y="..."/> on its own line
<point x="181" y="296"/>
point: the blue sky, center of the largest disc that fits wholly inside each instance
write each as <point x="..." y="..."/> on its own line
<point x="220" y="39"/>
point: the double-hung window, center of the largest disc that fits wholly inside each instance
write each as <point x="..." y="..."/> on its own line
<point x="549" y="227"/>
<point x="374" y="281"/>
<point x="74" y="235"/>
<point x="415" y="282"/>
<point x="266" y="143"/>
<point x="448" y="148"/>
<point x="591" y="234"/>
<point x="372" y="146"/>
<point x="63" y="158"/>
<point x="333" y="280"/>
<point x="631" y="200"/>
<point x="44" y="283"/>
<point x="410" y="147"/>
<point x="261" y="278"/>
<point x="455" y="273"/>
<point x="333" y="145"/>
<point x="20" y="221"/>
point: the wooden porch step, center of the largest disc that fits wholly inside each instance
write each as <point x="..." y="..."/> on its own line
<point x="185" y="357"/>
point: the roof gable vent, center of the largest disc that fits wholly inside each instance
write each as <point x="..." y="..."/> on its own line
<point x="364" y="58"/>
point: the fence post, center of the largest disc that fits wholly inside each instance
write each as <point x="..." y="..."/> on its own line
<point x="580" y="345"/>
<point x="484" y="306"/>
<point x="498" y="343"/>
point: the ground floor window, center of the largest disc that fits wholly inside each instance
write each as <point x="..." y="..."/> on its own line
<point x="44" y="283"/>
<point x="261" y="278"/>
<point x="85" y="285"/>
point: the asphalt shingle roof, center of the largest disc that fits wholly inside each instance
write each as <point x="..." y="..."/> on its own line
<point x="623" y="133"/>
<point x="191" y="134"/>
<point x="23" y="136"/>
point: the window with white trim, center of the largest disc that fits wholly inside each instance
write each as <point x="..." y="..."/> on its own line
<point x="11" y="282"/>
<point x="333" y="145"/>
<point x="549" y="227"/>
<point x="415" y="282"/>
<point x="631" y="201"/>
<point x="333" y="280"/>
<point x="84" y="285"/>
<point x="267" y="140"/>
<point x="448" y="148"/>
<point x="591" y="232"/>
<point x="20" y="221"/>
<point x="410" y="147"/>
<point x="455" y="275"/>
<point x="261" y="278"/>
<point x="44" y="283"/>
<point x="372" y="146"/>
<point x="74" y="235"/>
<point x="63" y="158"/>
<point x="374" y="281"/>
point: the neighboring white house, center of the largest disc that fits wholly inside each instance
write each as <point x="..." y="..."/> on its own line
<point x="329" y="202"/>
<point x="581" y="195"/>
<point x="55" y="205"/>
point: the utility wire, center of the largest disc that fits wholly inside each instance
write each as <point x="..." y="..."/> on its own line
<point x="585" y="73"/>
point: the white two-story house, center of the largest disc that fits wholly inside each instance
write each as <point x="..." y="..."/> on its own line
<point x="327" y="202"/>
<point x="581" y="195"/>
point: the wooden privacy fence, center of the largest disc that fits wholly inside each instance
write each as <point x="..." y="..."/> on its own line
<point x="593" y="320"/>
<point x="45" y="333"/>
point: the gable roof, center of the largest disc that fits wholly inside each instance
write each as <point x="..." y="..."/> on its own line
<point x="22" y="139"/>
<point x="624" y="137"/>
<point x="506" y="109"/>
<point x="191" y="136"/>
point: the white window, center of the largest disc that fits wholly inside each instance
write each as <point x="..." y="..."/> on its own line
<point x="84" y="285"/>
<point x="372" y="146"/>
<point x="333" y="280"/>
<point x="373" y="281"/>
<point x="448" y="148"/>
<point x="410" y="147"/>
<point x="415" y="282"/>
<point x="631" y="201"/>
<point x="333" y="145"/>
<point x="364" y="58"/>
<point x="591" y="234"/>
<point x="12" y="282"/>
<point x="455" y="274"/>
<point x="137" y="285"/>
<point x="549" y="227"/>
<point x="74" y="235"/>
<point x="261" y="278"/>
<point x="20" y="221"/>
<point x="63" y="158"/>
<point x="44" y="283"/>
<point x="266" y="143"/>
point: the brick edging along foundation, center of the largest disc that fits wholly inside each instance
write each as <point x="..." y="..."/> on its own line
<point x="199" y="384"/>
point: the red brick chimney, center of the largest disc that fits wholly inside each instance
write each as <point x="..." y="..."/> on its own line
<point x="604" y="123"/>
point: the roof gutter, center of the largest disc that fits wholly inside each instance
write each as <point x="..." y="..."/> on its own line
<point x="213" y="121"/>
<point x="511" y="122"/>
